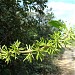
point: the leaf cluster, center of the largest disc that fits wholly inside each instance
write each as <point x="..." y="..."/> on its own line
<point x="37" y="51"/>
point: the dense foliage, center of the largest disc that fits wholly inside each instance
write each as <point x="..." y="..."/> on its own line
<point x="17" y="19"/>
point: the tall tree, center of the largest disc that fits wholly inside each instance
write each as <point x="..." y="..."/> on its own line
<point x="16" y="19"/>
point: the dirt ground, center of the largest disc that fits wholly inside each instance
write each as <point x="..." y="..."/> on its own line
<point x="67" y="62"/>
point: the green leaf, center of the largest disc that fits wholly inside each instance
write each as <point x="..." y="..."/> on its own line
<point x="57" y="24"/>
<point x="29" y="57"/>
<point x="0" y="56"/>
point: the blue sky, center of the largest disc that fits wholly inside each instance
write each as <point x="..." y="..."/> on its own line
<point x="63" y="9"/>
<point x="66" y="1"/>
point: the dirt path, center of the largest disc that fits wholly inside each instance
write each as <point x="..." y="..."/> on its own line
<point x="67" y="62"/>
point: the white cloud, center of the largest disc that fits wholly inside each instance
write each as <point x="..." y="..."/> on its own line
<point x="61" y="5"/>
<point x="64" y="11"/>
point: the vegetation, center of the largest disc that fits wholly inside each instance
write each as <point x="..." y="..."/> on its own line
<point x="39" y="38"/>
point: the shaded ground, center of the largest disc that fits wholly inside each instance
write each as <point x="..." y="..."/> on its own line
<point x="67" y="62"/>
